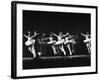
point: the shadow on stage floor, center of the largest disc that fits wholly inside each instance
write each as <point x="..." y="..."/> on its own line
<point x="56" y="61"/>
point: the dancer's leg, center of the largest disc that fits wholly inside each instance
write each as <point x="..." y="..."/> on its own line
<point x="88" y="47"/>
<point x="69" y="49"/>
<point x="30" y="49"/>
<point x="73" y="48"/>
<point x="58" y="49"/>
<point x="62" y="49"/>
<point x="33" y="51"/>
<point x="54" y="49"/>
<point x="39" y="53"/>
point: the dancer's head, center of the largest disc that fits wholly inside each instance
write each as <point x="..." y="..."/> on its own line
<point x="43" y="35"/>
<point x="87" y="33"/>
<point x="50" y="35"/>
<point x="29" y="33"/>
<point x="67" y="33"/>
<point x="35" y="32"/>
<point x="60" y="34"/>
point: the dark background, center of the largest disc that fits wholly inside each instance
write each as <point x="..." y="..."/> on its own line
<point x="56" y="22"/>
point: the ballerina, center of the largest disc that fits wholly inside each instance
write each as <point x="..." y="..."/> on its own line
<point x="52" y="42"/>
<point x="60" y="41"/>
<point x="68" y="41"/>
<point x="87" y="41"/>
<point x="31" y="42"/>
<point x="42" y="44"/>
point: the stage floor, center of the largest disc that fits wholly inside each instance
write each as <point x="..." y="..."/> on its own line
<point x="56" y="61"/>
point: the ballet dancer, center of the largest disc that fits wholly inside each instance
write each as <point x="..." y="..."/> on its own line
<point x="60" y="41"/>
<point x="87" y="41"/>
<point x="68" y="41"/>
<point x="31" y="42"/>
<point x="42" y="44"/>
<point x="52" y="42"/>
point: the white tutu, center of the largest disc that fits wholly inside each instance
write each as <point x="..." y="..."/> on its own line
<point x="88" y="40"/>
<point x="60" y="42"/>
<point x="69" y="41"/>
<point x="28" y="43"/>
<point x="51" y="42"/>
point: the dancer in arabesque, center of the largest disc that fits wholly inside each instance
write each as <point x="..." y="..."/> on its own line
<point x="68" y="41"/>
<point x="60" y="41"/>
<point x="87" y="41"/>
<point x="31" y="42"/>
<point x="51" y="43"/>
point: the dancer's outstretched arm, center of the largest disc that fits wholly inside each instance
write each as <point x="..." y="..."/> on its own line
<point x="35" y="35"/>
<point x="83" y="34"/>
<point x="46" y="38"/>
<point x="54" y="34"/>
<point x="26" y="36"/>
<point x="65" y="35"/>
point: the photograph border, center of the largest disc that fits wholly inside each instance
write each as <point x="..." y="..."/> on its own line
<point x="14" y="40"/>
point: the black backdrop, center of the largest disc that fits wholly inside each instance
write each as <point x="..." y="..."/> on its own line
<point x="54" y="21"/>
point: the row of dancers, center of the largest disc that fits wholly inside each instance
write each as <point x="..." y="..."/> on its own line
<point x="62" y="39"/>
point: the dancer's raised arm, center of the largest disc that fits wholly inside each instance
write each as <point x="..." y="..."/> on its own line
<point x="65" y="35"/>
<point x="29" y="33"/>
<point x="83" y="34"/>
<point x="54" y="34"/>
<point x="26" y="36"/>
<point x="35" y="35"/>
<point x="47" y="38"/>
